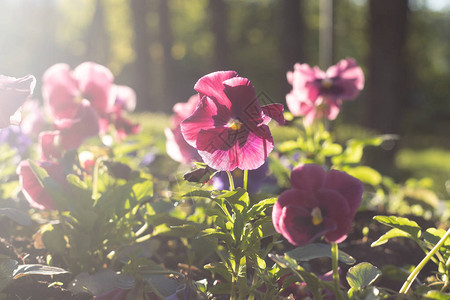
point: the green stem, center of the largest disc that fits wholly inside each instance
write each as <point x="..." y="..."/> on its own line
<point x="245" y="179"/>
<point x="334" y="263"/>
<point x="95" y="178"/>
<point x="422" y="264"/>
<point x="230" y="178"/>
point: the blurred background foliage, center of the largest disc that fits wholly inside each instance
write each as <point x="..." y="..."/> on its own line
<point x="161" y="47"/>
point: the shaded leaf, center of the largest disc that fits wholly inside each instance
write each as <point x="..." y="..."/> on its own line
<point x="395" y="232"/>
<point x="404" y="224"/>
<point x="16" y="215"/>
<point x="316" y="250"/>
<point x="362" y="275"/>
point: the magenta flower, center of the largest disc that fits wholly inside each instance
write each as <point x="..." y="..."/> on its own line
<point x="63" y="89"/>
<point x="316" y="93"/>
<point x="228" y="127"/>
<point x="176" y="146"/>
<point x="13" y="93"/>
<point x="31" y="187"/>
<point x="318" y="204"/>
<point x="70" y="133"/>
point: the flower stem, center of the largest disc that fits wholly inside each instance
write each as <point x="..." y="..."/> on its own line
<point x="245" y="179"/>
<point x="334" y="263"/>
<point x="422" y="264"/>
<point x="230" y="178"/>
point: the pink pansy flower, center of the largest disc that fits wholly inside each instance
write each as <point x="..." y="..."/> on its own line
<point x="228" y="127"/>
<point x="31" y="187"/>
<point x="64" y="89"/>
<point x="316" y="93"/>
<point x="13" y="93"/>
<point x="318" y="204"/>
<point x="176" y="146"/>
<point x="33" y="118"/>
<point x="124" y="100"/>
<point x="70" y="133"/>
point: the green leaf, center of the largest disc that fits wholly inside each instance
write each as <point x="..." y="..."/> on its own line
<point x="219" y="268"/>
<point x="331" y="149"/>
<point x="436" y="295"/>
<point x="289" y="146"/>
<point x="36" y="269"/>
<point x="313" y="283"/>
<point x="365" y="174"/>
<point x="198" y="193"/>
<point x="16" y="215"/>
<point x="162" y="284"/>
<point x="395" y="232"/>
<point x="261" y="206"/>
<point x="238" y="198"/>
<point x="53" y="238"/>
<point x="316" y="250"/>
<point x="362" y="275"/>
<point x="100" y="282"/>
<point x="401" y="223"/>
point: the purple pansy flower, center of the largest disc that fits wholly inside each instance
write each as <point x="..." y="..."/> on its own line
<point x="229" y="128"/>
<point x="316" y="93"/>
<point x="318" y="204"/>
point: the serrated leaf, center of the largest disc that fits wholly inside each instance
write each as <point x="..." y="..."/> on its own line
<point x="16" y="215"/>
<point x="395" y="232"/>
<point x="316" y="250"/>
<point x="401" y="223"/>
<point x="238" y="198"/>
<point x="362" y="275"/>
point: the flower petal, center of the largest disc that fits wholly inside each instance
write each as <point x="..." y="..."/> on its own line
<point x="308" y="177"/>
<point x="95" y="83"/>
<point x="274" y="111"/>
<point x="208" y="114"/>
<point x="348" y="186"/>
<point x="211" y="85"/>
<point x="60" y="90"/>
<point x="348" y="79"/>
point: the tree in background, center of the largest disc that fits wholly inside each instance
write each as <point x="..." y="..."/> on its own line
<point x="387" y="84"/>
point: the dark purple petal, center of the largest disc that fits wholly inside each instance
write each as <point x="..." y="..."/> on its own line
<point x="336" y="208"/>
<point x="244" y="103"/>
<point x="211" y="85"/>
<point x="348" y="186"/>
<point x="308" y="177"/>
<point x="274" y="111"/>
<point x="218" y="138"/>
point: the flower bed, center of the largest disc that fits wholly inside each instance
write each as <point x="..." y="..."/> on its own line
<point x="233" y="207"/>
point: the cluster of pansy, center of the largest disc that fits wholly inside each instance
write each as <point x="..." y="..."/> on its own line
<point x="317" y="94"/>
<point x="81" y="103"/>
<point x="228" y="129"/>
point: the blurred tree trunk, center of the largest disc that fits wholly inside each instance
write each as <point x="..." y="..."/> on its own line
<point x="97" y="38"/>
<point x="292" y="37"/>
<point x="219" y="21"/>
<point x="387" y="83"/>
<point x="166" y="39"/>
<point x="142" y="64"/>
